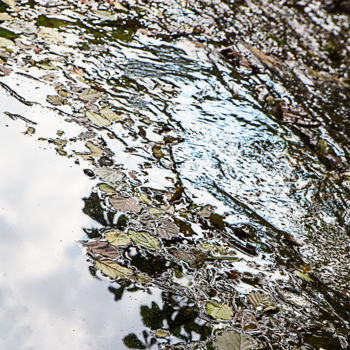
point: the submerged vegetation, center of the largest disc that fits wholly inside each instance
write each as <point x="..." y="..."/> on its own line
<point x="217" y="138"/>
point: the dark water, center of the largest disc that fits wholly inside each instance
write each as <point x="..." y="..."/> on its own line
<point x="275" y="193"/>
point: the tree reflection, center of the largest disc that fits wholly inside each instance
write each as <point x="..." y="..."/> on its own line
<point x="177" y="315"/>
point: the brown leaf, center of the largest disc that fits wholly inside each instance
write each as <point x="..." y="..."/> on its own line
<point x="176" y="195"/>
<point x="125" y="204"/>
<point x="78" y="71"/>
<point x="49" y="77"/>
<point x="5" y="71"/>
<point x="4" y="54"/>
<point x="56" y="100"/>
<point x="265" y="59"/>
<point x="102" y="248"/>
<point x="167" y="229"/>
<point x="20" y="44"/>
<point x="90" y="95"/>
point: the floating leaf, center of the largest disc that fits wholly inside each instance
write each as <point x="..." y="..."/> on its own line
<point x="303" y="276"/>
<point x="50" y="77"/>
<point x="119" y="6"/>
<point x="109" y="190"/>
<point x="160" y="333"/>
<point x="143" y="279"/>
<point x="108" y="16"/>
<point x="50" y="35"/>
<point x="262" y="301"/>
<point x="145" y="199"/>
<point x="98" y="119"/>
<point x="157" y="152"/>
<point x="56" y="100"/>
<point x="144" y="240"/>
<point x="103" y="249"/>
<point x="20" y="27"/>
<point x="30" y="131"/>
<point x="6" y="17"/>
<point x="267" y="60"/>
<point x="217" y="221"/>
<point x="205" y="212"/>
<point x="195" y="258"/>
<point x="110" y="175"/>
<point x="219" y="311"/>
<point x="90" y="95"/>
<point x="176" y="195"/>
<point x="5" y="70"/>
<point x="95" y="151"/>
<point x="156" y="211"/>
<point x="167" y="229"/>
<point x="110" y="115"/>
<point x="10" y="3"/>
<point x="6" y="43"/>
<point x="117" y="238"/>
<point x="322" y="147"/>
<point x="234" y="341"/>
<point x="112" y="269"/>
<point x="125" y="204"/>
<point x="258" y="299"/>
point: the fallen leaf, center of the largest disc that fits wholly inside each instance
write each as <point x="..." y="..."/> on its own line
<point x="109" y="190"/>
<point x="217" y="221"/>
<point x="125" y="204"/>
<point x="322" y="147"/>
<point x="6" y="43"/>
<point x="160" y="333"/>
<point x="20" y="27"/>
<point x="145" y="199"/>
<point x="110" y="115"/>
<point x="6" y="17"/>
<point x="194" y="258"/>
<point x="50" y="77"/>
<point x="78" y="71"/>
<point x="234" y="341"/>
<point x="110" y="175"/>
<point x="10" y="3"/>
<point x="90" y="95"/>
<point x="157" y="152"/>
<point x="50" y="35"/>
<point x="176" y="195"/>
<point x="167" y="229"/>
<point x="98" y="119"/>
<point x="143" y="279"/>
<point x="303" y="276"/>
<point x="56" y="100"/>
<point x="112" y="269"/>
<point x="267" y="60"/>
<point x="30" y="131"/>
<point x="156" y="211"/>
<point x="4" y="54"/>
<point x="106" y="15"/>
<point x="119" y="6"/>
<point x="95" y="151"/>
<point x="117" y="238"/>
<point x="5" y="70"/>
<point x="219" y="311"/>
<point x="144" y="240"/>
<point x="103" y="249"/>
<point x="262" y="301"/>
<point x="205" y="212"/>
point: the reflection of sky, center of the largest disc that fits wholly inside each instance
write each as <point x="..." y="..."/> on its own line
<point x="48" y="299"/>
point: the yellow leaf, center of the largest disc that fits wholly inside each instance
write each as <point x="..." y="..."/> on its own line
<point x="112" y="269"/>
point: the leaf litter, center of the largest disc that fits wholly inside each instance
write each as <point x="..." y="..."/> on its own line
<point x="164" y="226"/>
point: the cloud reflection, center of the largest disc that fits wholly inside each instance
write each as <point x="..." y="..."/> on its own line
<point x="47" y="297"/>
